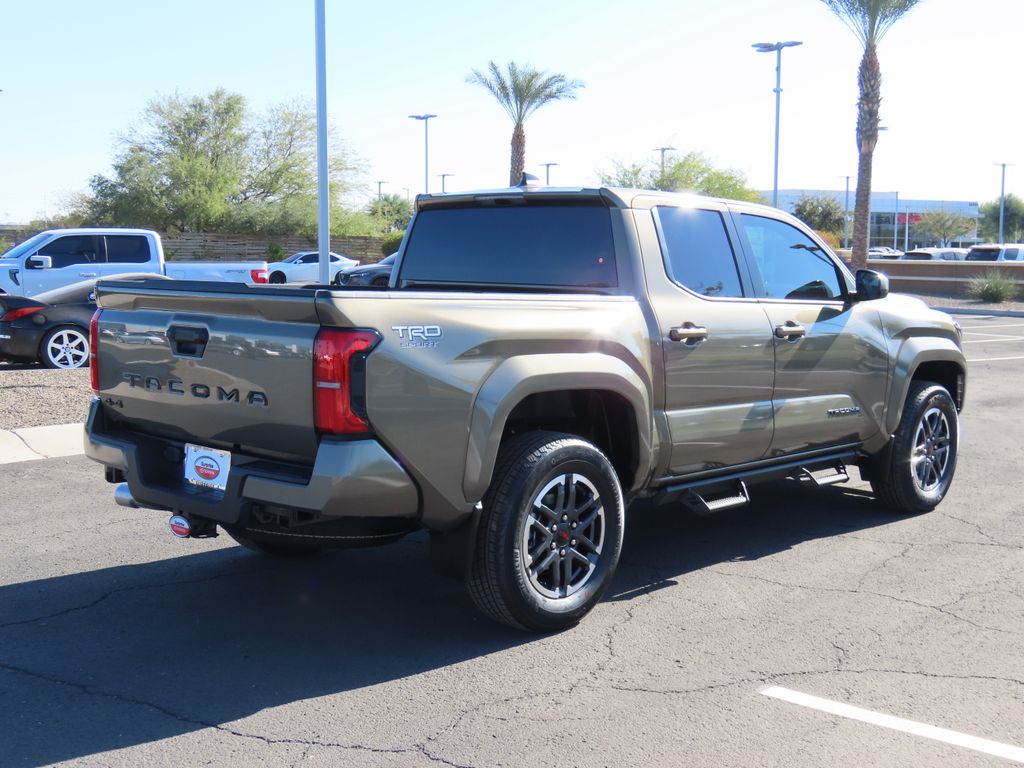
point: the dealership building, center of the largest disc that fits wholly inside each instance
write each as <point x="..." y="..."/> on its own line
<point x="892" y="217"/>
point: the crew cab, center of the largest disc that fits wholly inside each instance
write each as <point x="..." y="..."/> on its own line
<point x="540" y="358"/>
<point x="60" y="257"/>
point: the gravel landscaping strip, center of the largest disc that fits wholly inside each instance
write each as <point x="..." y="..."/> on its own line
<point x="36" y="397"/>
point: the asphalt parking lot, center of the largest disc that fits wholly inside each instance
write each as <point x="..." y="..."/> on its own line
<point x="810" y="628"/>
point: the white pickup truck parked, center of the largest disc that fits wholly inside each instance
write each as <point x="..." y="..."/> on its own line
<point x="60" y="257"/>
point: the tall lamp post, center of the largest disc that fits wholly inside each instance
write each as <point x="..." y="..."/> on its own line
<point x="547" y="173"/>
<point x="322" y="171"/>
<point x="426" y="149"/>
<point x="777" y="48"/>
<point x="443" y="177"/>
<point x="379" y="185"/>
<point x="663" y="150"/>
<point x="846" y="214"/>
<point x="1002" y="199"/>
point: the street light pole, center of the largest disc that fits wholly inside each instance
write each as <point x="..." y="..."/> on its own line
<point x="426" y="150"/>
<point x="443" y="177"/>
<point x="896" y="222"/>
<point x="547" y="173"/>
<point x="777" y="48"/>
<point x="379" y="184"/>
<point x="846" y="215"/>
<point x="663" y="150"/>
<point x="1002" y="198"/>
<point x="323" y="191"/>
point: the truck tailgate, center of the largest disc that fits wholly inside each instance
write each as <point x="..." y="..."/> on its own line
<point x="227" y="367"/>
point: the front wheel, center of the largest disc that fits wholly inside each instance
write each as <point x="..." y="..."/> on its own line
<point x="65" y="348"/>
<point x="915" y="470"/>
<point x="550" y="534"/>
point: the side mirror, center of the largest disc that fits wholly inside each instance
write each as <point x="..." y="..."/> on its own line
<point x="39" y="262"/>
<point x="871" y="285"/>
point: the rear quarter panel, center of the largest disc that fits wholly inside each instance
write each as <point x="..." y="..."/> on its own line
<point x="450" y="366"/>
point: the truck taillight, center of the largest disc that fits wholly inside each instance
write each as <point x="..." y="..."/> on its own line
<point x="258" y="275"/>
<point x="94" y="340"/>
<point x="339" y="380"/>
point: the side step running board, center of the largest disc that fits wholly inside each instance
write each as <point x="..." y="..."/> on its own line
<point x="703" y="505"/>
<point x="827" y="476"/>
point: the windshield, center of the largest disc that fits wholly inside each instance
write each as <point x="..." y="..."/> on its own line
<point x="26" y="247"/>
<point x="983" y="254"/>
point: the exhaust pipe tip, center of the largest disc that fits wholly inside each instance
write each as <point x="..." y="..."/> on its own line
<point x="124" y="497"/>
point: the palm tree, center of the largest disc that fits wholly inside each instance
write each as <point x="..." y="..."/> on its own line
<point x="869" y="20"/>
<point x="521" y="91"/>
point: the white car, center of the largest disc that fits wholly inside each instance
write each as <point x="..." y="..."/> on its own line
<point x="304" y="266"/>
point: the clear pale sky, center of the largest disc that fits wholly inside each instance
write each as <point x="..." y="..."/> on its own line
<point x="76" y="74"/>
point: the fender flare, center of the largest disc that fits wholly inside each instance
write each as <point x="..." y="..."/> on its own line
<point x="911" y="355"/>
<point x="519" y="377"/>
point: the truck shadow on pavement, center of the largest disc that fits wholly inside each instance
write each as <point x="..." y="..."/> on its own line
<point x="129" y="655"/>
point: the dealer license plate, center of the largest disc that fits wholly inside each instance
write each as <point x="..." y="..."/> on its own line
<point x="207" y="467"/>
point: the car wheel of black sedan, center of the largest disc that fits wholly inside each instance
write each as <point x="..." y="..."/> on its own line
<point x="65" y="347"/>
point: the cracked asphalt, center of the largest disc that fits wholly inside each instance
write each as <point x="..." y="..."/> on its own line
<point x="123" y="646"/>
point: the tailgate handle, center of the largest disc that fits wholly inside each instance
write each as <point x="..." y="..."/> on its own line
<point x="188" y="342"/>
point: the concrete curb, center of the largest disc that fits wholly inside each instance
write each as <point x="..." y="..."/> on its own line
<point x="34" y="443"/>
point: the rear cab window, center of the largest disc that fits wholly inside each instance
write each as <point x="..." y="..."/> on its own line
<point x="512" y="244"/>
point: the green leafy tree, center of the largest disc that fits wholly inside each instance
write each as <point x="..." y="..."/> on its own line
<point x="1013" y="220"/>
<point x="394" y="212"/>
<point x="693" y="172"/>
<point x="205" y="164"/>
<point x="869" y="20"/>
<point x="521" y="91"/>
<point x="944" y="226"/>
<point x="820" y="212"/>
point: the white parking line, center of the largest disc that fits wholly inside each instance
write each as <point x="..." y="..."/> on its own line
<point x="986" y="341"/>
<point x="935" y="733"/>
<point x="33" y="443"/>
<point x="979" y="327"/>
<point x="987" y="333"/>
<point x="993" y="359"/>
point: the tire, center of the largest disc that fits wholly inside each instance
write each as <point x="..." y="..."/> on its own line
<point x="270" y="545"/>
<point x="277" y="278"/>
<point x="914" y="472"/>
<point x="65" y="347"/>
<point x="531" y="568"/>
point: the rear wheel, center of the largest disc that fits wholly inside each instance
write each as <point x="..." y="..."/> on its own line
<point x="550" y="534"/>
<point x="66" y="347"/>
<point x="915" y="470"/>
<point x="277" y="277"/>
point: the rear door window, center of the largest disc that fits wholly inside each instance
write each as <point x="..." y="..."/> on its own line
<point x="698" y="253"/>
<point x="127" y="249"/>
<point x="524" y="245"/>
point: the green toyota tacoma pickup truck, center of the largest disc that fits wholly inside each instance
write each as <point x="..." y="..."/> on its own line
<point x="541" y="358"/>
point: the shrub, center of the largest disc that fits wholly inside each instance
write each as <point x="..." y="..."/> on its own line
<point x="994" y="287"/>
<point x="5" y="245"/>
<point x="391" y="242"/>
<point x="275" y="252"/>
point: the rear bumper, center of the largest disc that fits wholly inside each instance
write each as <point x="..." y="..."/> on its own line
<point x="349" y="478"/>
<point x="19" y="343"/>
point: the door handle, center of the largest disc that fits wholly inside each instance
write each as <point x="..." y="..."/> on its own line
<point x="689" y="333"/>
<point x="790" y="331"/>
<point x="87" y="274"/>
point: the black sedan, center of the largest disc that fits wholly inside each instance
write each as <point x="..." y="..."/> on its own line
<point x="51" y="327"/>
<point x="378" y="274"/>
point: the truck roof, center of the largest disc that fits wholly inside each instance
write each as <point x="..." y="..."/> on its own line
<point x="619" y="197"/>
<point x="99" y="231"/>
